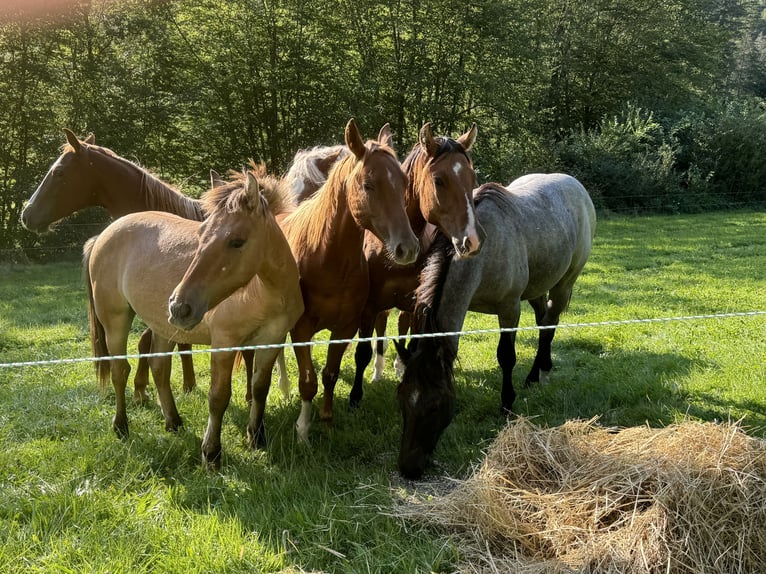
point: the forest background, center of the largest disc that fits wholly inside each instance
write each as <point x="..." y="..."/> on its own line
<point x="655" y="105"/>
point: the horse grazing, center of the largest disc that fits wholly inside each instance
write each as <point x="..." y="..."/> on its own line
<point x="364" y="190"/>
<point x="227" y="281"/>
<point x="86" y="175"/>
<point x="439" y="194"/>
<point x="539" y="235"/>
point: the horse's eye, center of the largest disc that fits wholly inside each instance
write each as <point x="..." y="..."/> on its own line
<point x="438" y="182"/>
<point x="236" y="243"/>
<point x="368" y="187"/>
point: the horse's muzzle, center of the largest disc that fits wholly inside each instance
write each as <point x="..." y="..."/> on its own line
<point x="182" y="315"/>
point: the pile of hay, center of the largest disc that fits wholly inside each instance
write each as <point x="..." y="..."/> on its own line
<point x="582" y="498"/>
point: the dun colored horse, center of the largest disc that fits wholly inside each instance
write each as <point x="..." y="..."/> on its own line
<point x="539" y="235"/>
<point x="364" y="190"/>
<point x="86" y="175"/>
<point x="440" y="187"/>
<point x="230" y="280"/>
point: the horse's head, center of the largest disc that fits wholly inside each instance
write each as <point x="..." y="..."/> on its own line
<point x="66" y="188"/>
<point x="443" y="178"/>
<point x="427" y="400"/>
<point x="375" y="188"/>
<point x="230" y="251"/>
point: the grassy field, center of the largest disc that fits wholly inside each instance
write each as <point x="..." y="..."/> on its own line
<point x="76" y="499"/>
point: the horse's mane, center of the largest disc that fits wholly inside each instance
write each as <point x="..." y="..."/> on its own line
<point x="275" y="193"/>
<point x="305" y="164"/>
<point x="158" y="195"/>
<point x="306" y="227"/>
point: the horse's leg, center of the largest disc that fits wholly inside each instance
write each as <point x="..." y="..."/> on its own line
<point x="187" y="367"/>
<point x="362" y="356"/>
<point x="249" y="357"/>
<point x="256" y="434"/>
<point x="307" y="377"/>
<point x="221" y="366"/>
<point x="557" y="302"/>
<point x="160" y="367"/>
<point x="331" y="371"/>
<point x="381" y="322"/>
<point x="404" y="324"/>
<point x="506" y="355"/>
<point x="284" y="379"/>
<point x="141" y="379"/>
<point x="116" y="336"/>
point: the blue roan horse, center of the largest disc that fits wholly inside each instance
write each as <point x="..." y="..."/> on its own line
<point x="539" y="232"/>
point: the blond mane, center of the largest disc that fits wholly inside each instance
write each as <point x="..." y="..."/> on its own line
<point x="308" y="226"/>
<point x="275" y="192"/>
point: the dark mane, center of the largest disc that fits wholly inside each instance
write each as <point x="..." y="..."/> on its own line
<point x="431" y="284"/>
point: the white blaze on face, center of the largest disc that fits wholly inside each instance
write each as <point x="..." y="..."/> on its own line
<point x="390" y="177"/>
<point x="457" y="168"/>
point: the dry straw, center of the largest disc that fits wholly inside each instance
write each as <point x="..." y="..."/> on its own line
<point x="583" y="498"/>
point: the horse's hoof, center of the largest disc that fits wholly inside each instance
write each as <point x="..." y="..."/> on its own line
<point x="212" y="460"/>
<point x="354" y="402"/>
<point x="256" y="440"/>
<point x="174" y="426"/>
<point x="120" y="428"/>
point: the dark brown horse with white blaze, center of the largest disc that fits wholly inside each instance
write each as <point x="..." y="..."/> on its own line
<point x="86" y="175"/>
<point x="364" y="191"/>
<point x="228" y="281"/>
<point x="439" y="195"/>
<point x="539" y="232"/>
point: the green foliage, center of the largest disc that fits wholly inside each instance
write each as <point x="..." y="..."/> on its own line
<point x="184" y="87"/>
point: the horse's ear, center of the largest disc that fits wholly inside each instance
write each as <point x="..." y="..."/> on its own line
<point x="404" y="353"/>
<point x="469" y="137"/>
<point x="72" y="139"/>
<point x="91" y="139"/>
<point x="252" y="190"/>
<point x="426" y="139"/>
<point x="385" y="137"/>
<point x="354" y="140"/>
<point x="215" y="179"/>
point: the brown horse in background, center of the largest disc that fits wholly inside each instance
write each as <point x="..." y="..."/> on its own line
<point x="439" y="195"/>
<point x="230" y="280"/>
<point x="86" y="175"/>
<point x="364" y="190"/>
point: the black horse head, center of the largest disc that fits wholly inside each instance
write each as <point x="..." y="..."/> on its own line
<point x="427" y="400"/>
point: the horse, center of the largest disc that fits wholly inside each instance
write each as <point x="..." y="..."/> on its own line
<point x="439" y="195"/>
<point x="86" y="175"/>
<point x="539" y="235"/>
<point x="227" y="281"/>
<point x="309" y="169"/>
<point x="364" y="191"/>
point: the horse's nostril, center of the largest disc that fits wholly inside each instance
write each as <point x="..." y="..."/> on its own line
<point x="180" y="310"/>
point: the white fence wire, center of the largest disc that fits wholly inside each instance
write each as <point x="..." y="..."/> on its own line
<point x="581" y="325"/>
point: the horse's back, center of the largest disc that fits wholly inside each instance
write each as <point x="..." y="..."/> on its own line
<point x="138" y="260"/>
<point x="539" y="231"/>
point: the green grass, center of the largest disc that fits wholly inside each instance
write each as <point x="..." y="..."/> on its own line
<point x="76" y="499"/>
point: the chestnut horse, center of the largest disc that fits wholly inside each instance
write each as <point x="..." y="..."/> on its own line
<point x="364" y="190"/>
<point x="539" y="234"/>
<point x="87" y="175"/>
<point x="230" y="280"/>
<point x="440" y="187"/>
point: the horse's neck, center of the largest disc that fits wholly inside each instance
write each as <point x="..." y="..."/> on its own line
<point x="126" y="188"/>
<point x="278" y="266"/>
<point x="412" y="205"/>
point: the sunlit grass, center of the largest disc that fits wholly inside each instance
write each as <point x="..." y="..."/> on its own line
<point x="77" y="499"/>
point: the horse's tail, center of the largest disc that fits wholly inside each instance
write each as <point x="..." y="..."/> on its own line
<point x="97" y="333"/>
